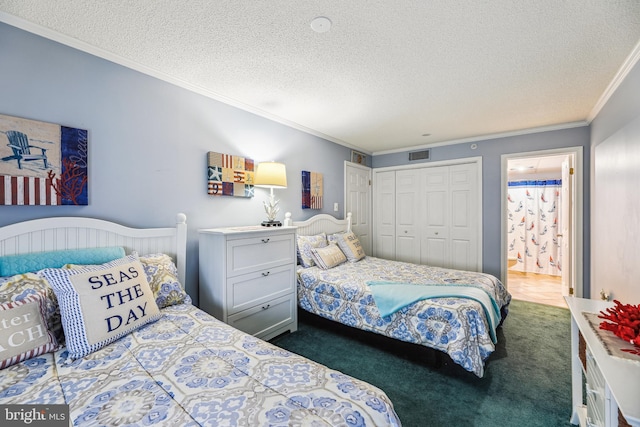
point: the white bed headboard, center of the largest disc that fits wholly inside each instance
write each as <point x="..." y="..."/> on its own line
<point x="319" y="223"/>
<point x="58" y="233"/>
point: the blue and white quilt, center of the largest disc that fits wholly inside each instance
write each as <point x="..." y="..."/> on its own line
<point x="456" y="325"/>
<point x="189" y="369"/>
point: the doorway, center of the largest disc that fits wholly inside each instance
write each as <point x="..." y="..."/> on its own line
<point x="540" y="231"/>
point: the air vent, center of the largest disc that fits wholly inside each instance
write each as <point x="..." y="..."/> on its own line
<point x="419" y="155"/>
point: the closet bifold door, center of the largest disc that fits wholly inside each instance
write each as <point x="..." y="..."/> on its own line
<point x="408" y="215"/>
<point x="429" y="215"/>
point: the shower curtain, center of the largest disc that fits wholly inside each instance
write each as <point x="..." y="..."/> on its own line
<point x="533" y="209"/>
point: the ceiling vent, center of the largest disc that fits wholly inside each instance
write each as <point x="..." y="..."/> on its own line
<point x="419" y="155"/>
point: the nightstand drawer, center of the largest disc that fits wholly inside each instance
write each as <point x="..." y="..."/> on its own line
<point x="262" y="320"/>
<point x="254" y="288"/>
<point x="259" y="253"/>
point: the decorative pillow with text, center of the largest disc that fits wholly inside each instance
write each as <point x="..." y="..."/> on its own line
<point x="23" y="330"/>
<point x="328" y="257"/>
<point x="162" y="276"/>
<point x="21" y="286"/>
<point x="350" y="245"/>
<point x="99" y="305"/>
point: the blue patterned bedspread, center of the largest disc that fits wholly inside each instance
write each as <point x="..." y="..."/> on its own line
<point x="189" y="369"/>
<point x="456" y="326"/>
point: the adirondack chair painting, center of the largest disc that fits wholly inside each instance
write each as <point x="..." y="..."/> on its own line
<point x="19" y="143"/>
<point x="42" y="163"/>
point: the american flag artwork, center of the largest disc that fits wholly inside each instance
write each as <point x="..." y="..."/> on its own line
<point x="42" y="163"/>
<point x="229" y="175"/>
<point x="312" y="190"/>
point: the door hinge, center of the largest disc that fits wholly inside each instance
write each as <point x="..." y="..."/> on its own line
<point x="369" y="183"/>
<point x="570" y="171"/>
<point x="570" y="291"/>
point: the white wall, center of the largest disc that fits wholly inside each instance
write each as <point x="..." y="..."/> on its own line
<point x="615" y="144"/>
<point x="148" y="142"/>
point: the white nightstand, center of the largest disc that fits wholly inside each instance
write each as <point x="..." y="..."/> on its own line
<point x="247" y="278"/>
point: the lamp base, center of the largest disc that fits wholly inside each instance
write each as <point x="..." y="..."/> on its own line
<point x="271" y="224"/>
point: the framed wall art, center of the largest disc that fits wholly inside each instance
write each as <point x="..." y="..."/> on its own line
<point x="312" y="190"/>
<point x="229" y="175"/>
<point x="42" y="163"/>
<point x="358" y="157"/>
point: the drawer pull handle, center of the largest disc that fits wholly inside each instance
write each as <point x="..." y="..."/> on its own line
<point x="265" y="240"/>
<point x="264" y="307"/>
<point x="266" y="274"/>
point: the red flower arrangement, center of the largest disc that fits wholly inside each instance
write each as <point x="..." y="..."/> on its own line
<point x="624" y="323"/>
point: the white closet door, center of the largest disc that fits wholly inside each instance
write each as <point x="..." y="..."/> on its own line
<point x="434" y="197"/>
<point x="464" y="217"/>
<point x="429" y="215"/>
<point x="408" y="216"/>
<point x="384" y="243"/>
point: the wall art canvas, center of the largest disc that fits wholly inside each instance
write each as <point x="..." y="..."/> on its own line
<point x="229" y="175"/>
<point x="358" y="157"/>
<point x="311" y="190"/>
<point x="42" y="163"/>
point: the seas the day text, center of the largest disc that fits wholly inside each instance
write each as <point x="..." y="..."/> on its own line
<point x="121" y="296"/>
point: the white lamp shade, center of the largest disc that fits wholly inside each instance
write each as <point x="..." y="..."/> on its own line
<point x="271" y="174"/>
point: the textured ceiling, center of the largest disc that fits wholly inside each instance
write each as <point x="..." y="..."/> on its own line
<point x="385" y="74"/>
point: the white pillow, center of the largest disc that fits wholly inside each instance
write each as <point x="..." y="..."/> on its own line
<point x="100" y="304"/>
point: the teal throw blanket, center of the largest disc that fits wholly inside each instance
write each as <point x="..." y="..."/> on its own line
<point x="392" y="296"/>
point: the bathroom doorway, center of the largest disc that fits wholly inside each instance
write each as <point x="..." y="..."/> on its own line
<point x="539" y="225"/>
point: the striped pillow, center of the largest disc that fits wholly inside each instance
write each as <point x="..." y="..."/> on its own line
<point x="24" y="330"/>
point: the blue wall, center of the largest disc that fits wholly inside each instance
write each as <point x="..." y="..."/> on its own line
<point x="148" y="141"/>
<point x="491" y="151"/>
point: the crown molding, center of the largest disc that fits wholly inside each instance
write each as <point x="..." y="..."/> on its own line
<point x="622" y="73"/>
<point x="485" y="137"/>
<point x="74" y="43"/>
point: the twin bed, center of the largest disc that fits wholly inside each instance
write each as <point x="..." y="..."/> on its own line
<point x="178" y="367"/>
<point x="453" y="311"/>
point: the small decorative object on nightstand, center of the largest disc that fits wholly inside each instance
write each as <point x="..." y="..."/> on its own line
<point x="247" y="278"/>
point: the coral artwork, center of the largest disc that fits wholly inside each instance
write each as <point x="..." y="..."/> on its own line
<point x="42" y="163"/>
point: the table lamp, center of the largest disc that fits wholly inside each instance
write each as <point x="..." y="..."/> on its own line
<point x="271" y="175"/>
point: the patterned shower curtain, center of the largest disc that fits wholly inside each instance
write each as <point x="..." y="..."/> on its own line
<point x="533" y="209"/>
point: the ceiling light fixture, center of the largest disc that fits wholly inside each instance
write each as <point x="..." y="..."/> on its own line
<point x="321" y="24"/>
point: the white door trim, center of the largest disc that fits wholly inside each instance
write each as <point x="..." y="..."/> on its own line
<point x="577" y="231"/>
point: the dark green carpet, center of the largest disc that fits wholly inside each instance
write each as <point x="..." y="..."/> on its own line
<point x="527" y="380"/>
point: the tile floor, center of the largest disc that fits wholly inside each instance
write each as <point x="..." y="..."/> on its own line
<point x="539" y="288"/>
